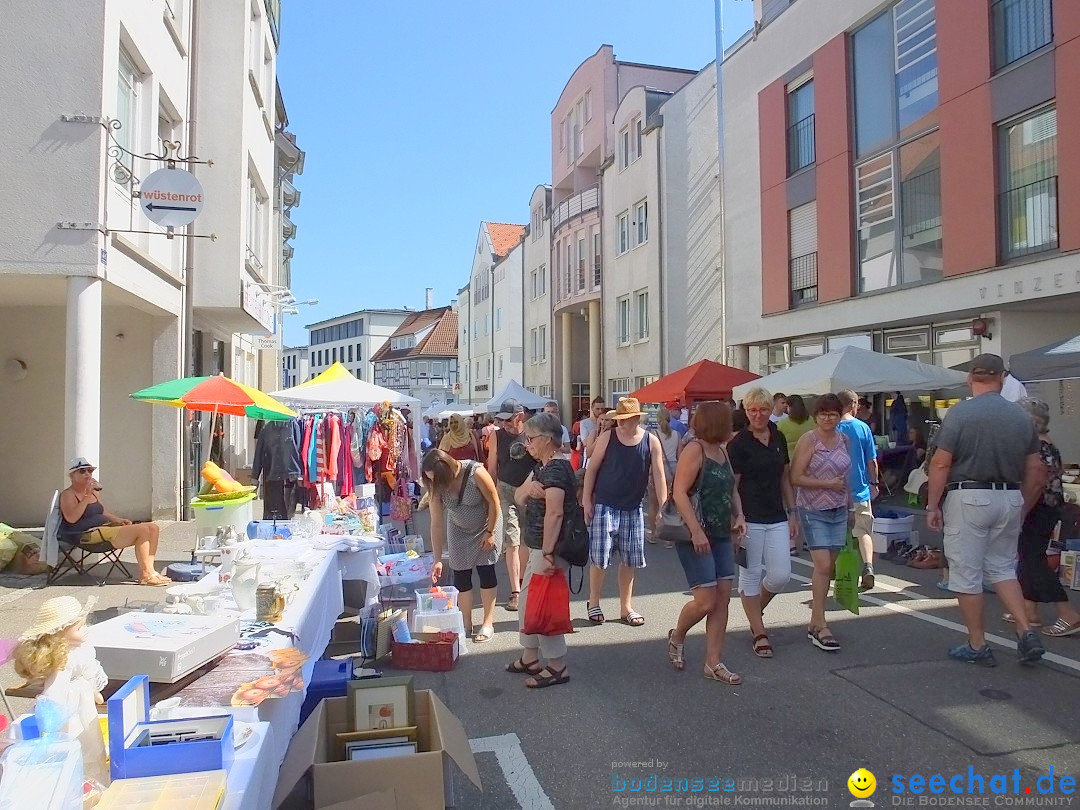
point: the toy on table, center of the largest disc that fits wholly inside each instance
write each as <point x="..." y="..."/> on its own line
<point x="437" y="598"/>
<point x="55" y="651"/>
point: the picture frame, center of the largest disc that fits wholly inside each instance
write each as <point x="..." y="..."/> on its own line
<point x="346" y="739"/>
<point x="381" y="703"/>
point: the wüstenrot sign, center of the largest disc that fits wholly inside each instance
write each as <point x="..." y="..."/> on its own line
<point x="171" y="197"/>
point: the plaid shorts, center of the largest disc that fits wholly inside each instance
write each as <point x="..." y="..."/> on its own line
<point x="617" y="530"/>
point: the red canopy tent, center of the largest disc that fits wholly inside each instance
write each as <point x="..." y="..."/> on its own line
<point x="702" y="381"/>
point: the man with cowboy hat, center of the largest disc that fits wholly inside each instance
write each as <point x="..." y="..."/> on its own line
<point x="615" y="484"/>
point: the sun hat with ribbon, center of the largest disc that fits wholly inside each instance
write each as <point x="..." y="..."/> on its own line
<point x="56" y="614"/>
<point x="627" y="408"/>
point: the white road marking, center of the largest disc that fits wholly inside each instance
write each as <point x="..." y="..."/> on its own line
<point x="14" y="596"/>
<point x="519" y="774"/>
<point x="932" y="619"/>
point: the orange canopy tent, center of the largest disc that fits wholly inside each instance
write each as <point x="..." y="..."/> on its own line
<point x="702" y="381"/>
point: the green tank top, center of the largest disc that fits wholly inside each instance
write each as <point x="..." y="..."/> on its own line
<point x="717" y="488"/>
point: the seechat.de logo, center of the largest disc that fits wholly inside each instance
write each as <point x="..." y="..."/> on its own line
<point x="862" y="785"/>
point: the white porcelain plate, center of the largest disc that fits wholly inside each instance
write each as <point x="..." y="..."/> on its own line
<point x="242" y="733"/>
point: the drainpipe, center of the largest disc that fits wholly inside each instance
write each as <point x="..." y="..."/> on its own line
<point x="523" y="310"/>
<point x="720" y="172"/>
<point x="188" y="324"/>
<point x="660" y="244"/>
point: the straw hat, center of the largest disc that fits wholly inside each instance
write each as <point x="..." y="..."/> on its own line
<point x="627" y="408"/>
<point x="55" y="614"/>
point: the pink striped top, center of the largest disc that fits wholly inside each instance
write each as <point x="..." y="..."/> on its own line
<point x="825" y="464"/>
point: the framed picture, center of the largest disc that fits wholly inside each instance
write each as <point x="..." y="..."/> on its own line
<point x="353" y="740"/>
<point x="357" y="752"/>
<point x="381" y="703"/>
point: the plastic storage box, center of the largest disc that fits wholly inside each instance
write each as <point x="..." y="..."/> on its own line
<point x="329" y="679"/>
<point x="210" y="516"/>
<point x="445" y="599"/>
<point x="191" y="791"/>
<point x="893" y="523"/>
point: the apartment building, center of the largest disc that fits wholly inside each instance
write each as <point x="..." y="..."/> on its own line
<point x="490" y="314"/>
<point x="421" y="357"/>
<point x="295" y="366"/>
<point x="582" y="139"/>
<point x="352" y="340"/>
<point x="92" y="293"/>
<point x="903" y="176"/>
<point x="536" y="372"/>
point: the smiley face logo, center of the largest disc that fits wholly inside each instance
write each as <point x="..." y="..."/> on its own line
<point x="862" y="783"/>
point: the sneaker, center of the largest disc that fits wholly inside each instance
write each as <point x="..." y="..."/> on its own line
<point x="867" y="581"/>
<point x="969" y="655"/>
<point x="1029" y="648"/>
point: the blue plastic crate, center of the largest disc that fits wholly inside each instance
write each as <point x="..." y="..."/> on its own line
<point x="329" y="679"/>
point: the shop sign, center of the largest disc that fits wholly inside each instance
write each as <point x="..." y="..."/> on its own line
<point x="265" y="343"/>
<point x="258" y="305"/>
<point x="1048" y="283"/>
<point x="171" y="197"/>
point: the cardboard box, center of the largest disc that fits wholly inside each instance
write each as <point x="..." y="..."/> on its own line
<point x="132" y="755"/>
<point x="165" y="647"/>
<point x="1069" y="570"/>
<point x="417" y="779"/>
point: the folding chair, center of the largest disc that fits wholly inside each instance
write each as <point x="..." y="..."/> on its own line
<point x="75" y="557"/>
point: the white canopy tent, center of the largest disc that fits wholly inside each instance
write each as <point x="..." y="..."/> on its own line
<point x="860" y="370"/>
<point x="513" y="390"/>
<point x="338" y="388"/>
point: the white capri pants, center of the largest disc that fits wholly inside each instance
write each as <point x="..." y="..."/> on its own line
<point x="768" y="554"/>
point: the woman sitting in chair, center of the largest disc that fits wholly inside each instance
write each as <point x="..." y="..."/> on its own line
<point x="83" y="519"/>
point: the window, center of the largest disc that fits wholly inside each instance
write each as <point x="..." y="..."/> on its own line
<point x="641" y="307"/>
<point x="359" y="357"/>
<point x="534" y="349"/>
<point x="895" y="75"/>
<point x="558" y="272"/>
<point x="255" y="46"/>
<point x="1020" y="27"/>
<point x="904" y="249"/>
<point x="1027" y="205"/>
<point x="350" y="353"/>
<point x="569" y="267"/>
<point x="128" y="82"/>
<point x="422" y="367"/>
<point x="166" y="127"/>
<point x="268" y="73"/>
<point x="537" y="228"/>
<point x="498" y="319"/>
<point x="579" y="131"/>
<point x="623" y="229"/>
<point x="256" y="235"/>
<point x="800" y="133"/>
<point x="543" y="279"/>
<point x="581" y="259"/>
<point x="487" y="324"/>
<point x="534" y="285"/>
<point x="438" y="368"/>
<point x="639" y="138"/>
<point x="542" y="332"/>
<point x="488" y="365"/>
<point x="624" y="320"/>
<point x="500" y="365"/>
<point x="624" y="148"/>
<point x="641" y="223"/>
<point x="596" y="257"/>
<point x="588" y="105"/>
<point x="802" y="243"/>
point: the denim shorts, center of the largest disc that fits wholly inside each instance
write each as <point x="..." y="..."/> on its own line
<point x="824" y="528"/>
<point x="703" y="570"/>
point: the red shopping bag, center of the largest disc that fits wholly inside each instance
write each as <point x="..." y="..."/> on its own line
<point x="547" y="605"/>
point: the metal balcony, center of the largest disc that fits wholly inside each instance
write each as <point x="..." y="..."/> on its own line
<point x="578" y="204"/>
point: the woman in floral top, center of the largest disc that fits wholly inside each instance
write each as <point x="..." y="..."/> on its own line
<point x="1038" y="582"/>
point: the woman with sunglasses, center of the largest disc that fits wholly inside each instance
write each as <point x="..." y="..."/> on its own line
<point x="543" y="496"/>
<point x="819" y="472"/>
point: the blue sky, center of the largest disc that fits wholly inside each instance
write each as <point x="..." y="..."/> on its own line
<point x="420" y="119"/>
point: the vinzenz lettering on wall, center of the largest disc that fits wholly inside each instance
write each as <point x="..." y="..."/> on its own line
<point x="1026" y="287"/>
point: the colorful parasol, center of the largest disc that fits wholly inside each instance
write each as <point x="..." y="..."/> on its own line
<point x="217" y="394"/>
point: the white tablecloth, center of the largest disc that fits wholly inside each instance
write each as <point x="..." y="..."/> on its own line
<point x="253" y="777"/>
<point x="360" y="565"/>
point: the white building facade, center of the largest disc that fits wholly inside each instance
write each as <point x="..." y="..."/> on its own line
<point x="420" y="358"/>
<point x="92" y="293"/>
<point x="537" y="367"/>
<point x="295" y="366"/>
<point x="352" y="340"/>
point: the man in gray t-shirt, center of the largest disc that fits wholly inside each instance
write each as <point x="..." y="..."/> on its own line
<point x="987" y="466"/>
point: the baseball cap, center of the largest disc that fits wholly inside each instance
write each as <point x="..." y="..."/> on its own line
<point x="988" y="365"/>
<point x="509" y="408"/>
<point x="80" y="463"/>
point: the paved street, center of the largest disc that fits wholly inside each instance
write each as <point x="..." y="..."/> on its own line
<point x="888" y="701"/>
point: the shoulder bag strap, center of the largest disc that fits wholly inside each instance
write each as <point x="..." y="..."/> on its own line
<point x="464" y="481"/>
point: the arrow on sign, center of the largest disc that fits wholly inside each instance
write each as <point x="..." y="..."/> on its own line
<point x="152" y="207"/>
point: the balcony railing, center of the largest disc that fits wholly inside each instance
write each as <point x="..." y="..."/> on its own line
<point x="574" y="206"/>
<point x="800" y="144"/>
<point x="1028" y="219"/>
<point x="596" y="274"/>
<point x="1020" y="27"/>
<point x="804" y="288"/>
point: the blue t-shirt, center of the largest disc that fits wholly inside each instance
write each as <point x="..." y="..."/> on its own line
<point x="678" y="426"/>
<point x="863" y="450"/>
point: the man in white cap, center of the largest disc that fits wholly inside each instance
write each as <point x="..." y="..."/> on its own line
<point x="509" y="468"/>
<point x="615" y="484"/>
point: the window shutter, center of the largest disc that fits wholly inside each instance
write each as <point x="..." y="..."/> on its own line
<point x="803" y="229"/>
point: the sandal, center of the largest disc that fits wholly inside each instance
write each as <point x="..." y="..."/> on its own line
<point x="823" y="639"/>
<point x="596" y="615"/>
<point x="722" y="674"/>
<point x="762" y="647"/>
<point x="1061" y="628"/>
<point x="634" y="619"/>
<point x="555" y="677"/>
<point x="156" y="581"/>
<point x="1008" y="617"/>
<point x="675" y="652"/>
<point x="519" y="667"/>
<point x="485" y="634"/>
<point x="512" y="602"/>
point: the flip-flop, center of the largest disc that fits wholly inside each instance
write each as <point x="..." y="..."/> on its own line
<point x="595" y="614"/>
<point x="634" y="619"/>
<point x="155" y="581"/>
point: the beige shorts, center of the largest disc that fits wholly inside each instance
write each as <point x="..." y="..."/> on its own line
<point x="862" y="519"/>
<point x="511" y="526"/>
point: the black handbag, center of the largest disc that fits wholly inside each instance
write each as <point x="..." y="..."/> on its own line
<point x="573" y="542"/>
